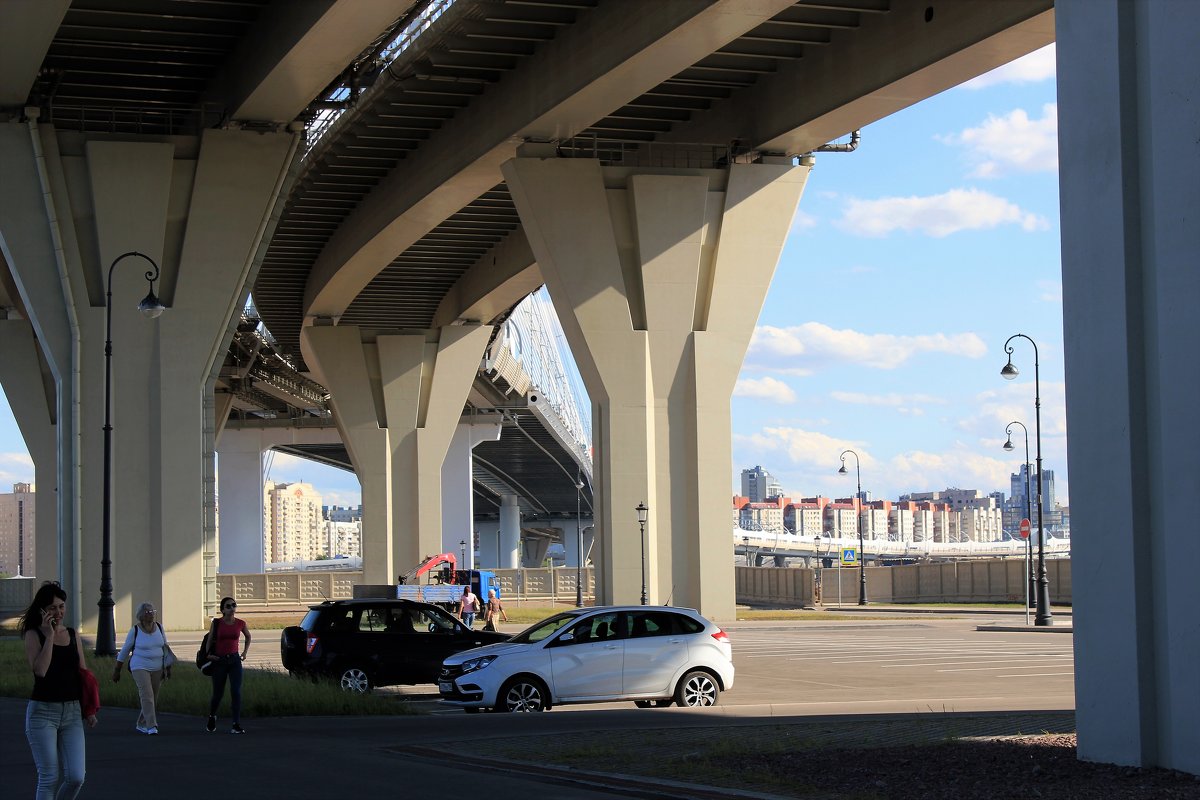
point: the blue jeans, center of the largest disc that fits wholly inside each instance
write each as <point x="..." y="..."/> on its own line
<point x="468" y="618"/>
<point x="55" y="734"/>
<point x="227" y="667"/>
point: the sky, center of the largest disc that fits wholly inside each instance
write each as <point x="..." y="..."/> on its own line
<point x="909" y="263"/>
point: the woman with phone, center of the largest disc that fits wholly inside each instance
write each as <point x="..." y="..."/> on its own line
<point x="53" y="720"/>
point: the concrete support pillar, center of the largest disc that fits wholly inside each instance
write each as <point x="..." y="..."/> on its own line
<point x="198" y="207"/>
<point x="458" y="494"/>
<point x="240" y="486"/>
<point x="397" y="401"/>
<point x="1129" y="110"/>
<point x="510" y="532"/>
<point x="658" y="277"/>
<point x="571" y="538"/>
<point x="33" y="403"/>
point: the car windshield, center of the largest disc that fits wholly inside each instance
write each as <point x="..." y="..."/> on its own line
<point x="545" y="628"/>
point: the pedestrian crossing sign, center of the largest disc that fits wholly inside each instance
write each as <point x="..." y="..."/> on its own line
<point x="849" y="556"/>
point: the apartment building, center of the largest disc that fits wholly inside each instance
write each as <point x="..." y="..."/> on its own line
<point x="293" y="529"/>
<point x="17" y="520"/>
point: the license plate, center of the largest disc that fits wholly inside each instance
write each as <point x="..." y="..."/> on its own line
<point x="445" y="687"/>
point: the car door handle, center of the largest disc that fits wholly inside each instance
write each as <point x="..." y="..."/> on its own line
<point x="610" y="647"/>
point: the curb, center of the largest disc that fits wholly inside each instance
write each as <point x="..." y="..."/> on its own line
<point x="1003" y="628"/>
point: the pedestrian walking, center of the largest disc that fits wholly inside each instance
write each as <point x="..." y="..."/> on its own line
<point x="225" y="632"/>
<point x="493" y="612"/>
<point x="150" y="660"/>
<point x="468" y="606"/>
<point x="53" y="719"/>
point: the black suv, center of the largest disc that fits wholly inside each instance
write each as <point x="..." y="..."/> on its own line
<point x="365" y="643"/>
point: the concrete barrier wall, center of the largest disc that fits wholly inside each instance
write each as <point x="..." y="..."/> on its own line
<point x="983" y="581"/>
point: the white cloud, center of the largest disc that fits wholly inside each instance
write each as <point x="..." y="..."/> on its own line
<point x="1011" y="143"/>
<point x="960" y="466"/>
<point x="1037" y="66"/>
<point x="766" y="388"/>
<point x="15" y="468"/>
<point x="936" y="215"/>
<point x="1051" y="291"/>
<point x="813" y="342"/>
<point x="803" y="221"/>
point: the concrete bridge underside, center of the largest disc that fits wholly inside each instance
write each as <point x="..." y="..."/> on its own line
<point x="439" y="200"/>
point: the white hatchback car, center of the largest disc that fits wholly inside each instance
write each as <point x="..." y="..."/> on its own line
<point x="652" y="655"/>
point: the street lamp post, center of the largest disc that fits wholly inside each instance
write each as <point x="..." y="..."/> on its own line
<point x="106" y="638"/>
<point x="862" y="555"/>
<point x="642" y="511"/>
<point x="578" y="543"/>
<point x="1031" y="589"/>
<point x="746" y="549"/>
<point x="462" y="549"/>
<point x="1042" y="618"/>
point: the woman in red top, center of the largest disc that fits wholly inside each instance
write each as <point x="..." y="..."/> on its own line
<point x="227" y="662"/>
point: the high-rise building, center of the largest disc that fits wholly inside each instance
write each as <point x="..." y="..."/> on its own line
<point x="759" y="485"/>
<point x="342" y="513"/>
<point x="16" y="531"/>
<point x="292" y="526"/>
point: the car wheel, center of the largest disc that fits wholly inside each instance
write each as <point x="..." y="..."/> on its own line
<point x="354" y="679"/>
<point x="697" y="689"/>
<point x="523" y="694"/>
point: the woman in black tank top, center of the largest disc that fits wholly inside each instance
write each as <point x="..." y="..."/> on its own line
<point x="53" y="720"/>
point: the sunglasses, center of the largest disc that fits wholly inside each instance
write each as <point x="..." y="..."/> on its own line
<point x="229" y="605"/>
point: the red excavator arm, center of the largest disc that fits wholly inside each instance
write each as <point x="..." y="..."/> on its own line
<point x="431" y="562"/>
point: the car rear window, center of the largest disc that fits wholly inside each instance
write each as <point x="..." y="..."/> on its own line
<point x="309" y="623"/>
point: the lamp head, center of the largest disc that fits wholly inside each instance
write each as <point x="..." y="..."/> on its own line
<point x="642" y="511"/>
<point x="1008" y="445"/>
<point x="842" y="471"/>
<point x="1009" y="372"/>
<point x="151" y="306"/>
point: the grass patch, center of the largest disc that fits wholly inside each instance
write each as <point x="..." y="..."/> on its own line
<point x="264" y="693"/>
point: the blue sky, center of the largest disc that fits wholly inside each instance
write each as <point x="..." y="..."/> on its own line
<point x="909" y="263"/>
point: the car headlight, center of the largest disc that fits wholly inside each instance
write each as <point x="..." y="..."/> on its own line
<point x="475" y="664"/>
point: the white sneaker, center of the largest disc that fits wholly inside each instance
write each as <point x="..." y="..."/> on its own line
<point x="152" y="731"/>
<point x="141" y="729"/>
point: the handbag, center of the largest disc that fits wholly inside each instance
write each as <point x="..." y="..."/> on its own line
<point x="206" y="645"/>
<point x="89" y="693"/>
<point x="168" y="654"/>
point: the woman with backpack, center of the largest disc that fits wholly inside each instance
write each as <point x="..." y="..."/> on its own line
<point x="224" y="634"/>
<point x="150" y="659"/>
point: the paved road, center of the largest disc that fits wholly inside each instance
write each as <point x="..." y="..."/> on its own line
<point x="791" y="672"/>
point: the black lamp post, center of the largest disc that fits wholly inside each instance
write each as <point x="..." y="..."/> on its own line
<point x="106" y="635"/>
<point x="462" y="549"/>
<point x="1031" y="592"/>
<point x="862" y="555"/>
<point x="1009" y="372"/>
<point x="642" y="511"/>
<point x="746" y="549"/>
<point x="578" y="543"/>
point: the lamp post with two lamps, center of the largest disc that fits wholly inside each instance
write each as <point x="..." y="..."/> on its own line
<point x="1009" y="372"/>
<point x="106" y="632"/>
<point x="642" y="510"/>
<point x="1030" y="591"/>
<point x="862" y="556"/>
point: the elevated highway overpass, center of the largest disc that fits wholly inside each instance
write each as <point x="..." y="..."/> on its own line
<point x="643" y="161"/>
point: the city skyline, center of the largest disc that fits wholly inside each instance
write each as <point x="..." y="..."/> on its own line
<point x="909" y="263"/>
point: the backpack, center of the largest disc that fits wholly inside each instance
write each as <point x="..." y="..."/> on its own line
<point x="205" y="648"/>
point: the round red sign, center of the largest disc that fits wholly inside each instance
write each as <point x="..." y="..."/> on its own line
<point x="1025" y="527"/>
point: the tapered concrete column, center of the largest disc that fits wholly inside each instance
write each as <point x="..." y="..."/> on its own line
<point x="198" y="207"/>
<point x="572" y="534"/>
<point x="397" y="401"/>
<point x="458" y="495"/>
<point x="510" y="532"/>
<point x="21" y="377"/>
<point x="658" y="277"/>
<point x="240" y="486"/>
<point x="1128" y="115"/>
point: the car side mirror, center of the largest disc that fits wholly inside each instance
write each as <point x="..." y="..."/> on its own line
<point x="566" y="638"/>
